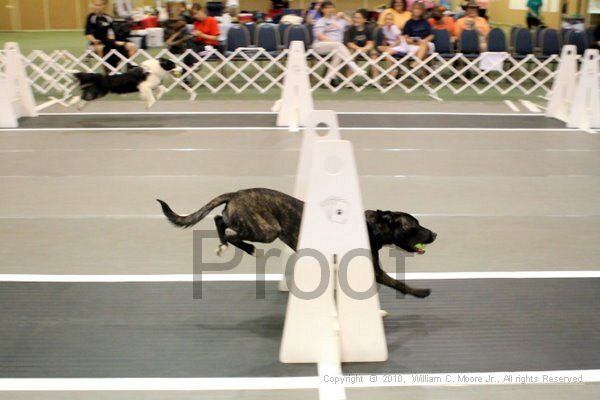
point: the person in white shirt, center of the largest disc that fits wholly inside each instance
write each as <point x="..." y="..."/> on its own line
<point x="329" y="37"/>
<point x="393" y="43"/>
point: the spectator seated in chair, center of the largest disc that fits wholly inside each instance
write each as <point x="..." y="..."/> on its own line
<point x="359" y="37"/>
<point x="313" y="13"/>
<point x="440" y="21"/>
<point x="398" y="11"/>
<point x="329" y="36"/>
<point x="393" y="43"/>
<point x="472" y="20"/>
<point x="418" y="34"/>
<point x="99" y="32"/>
<point x="205" y="36"/>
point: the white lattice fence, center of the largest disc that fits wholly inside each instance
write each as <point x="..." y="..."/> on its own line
<point x="257" y="69"/>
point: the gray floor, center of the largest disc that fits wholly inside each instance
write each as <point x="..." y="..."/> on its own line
<point x="102" y="330"/>
<point x="82" y="202"/>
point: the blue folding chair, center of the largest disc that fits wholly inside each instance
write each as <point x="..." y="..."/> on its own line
<point x="579" y="40"/>
<point x="469" y="43"/>
<point x="523" y="43"/>
<point x="237" y="36"/>
<point x="550" y="43"/>
<point x="296" y="32"/>
<point x="442" y="43"/>
<point x="266" y="36"/>
<point x="497" y="40"/>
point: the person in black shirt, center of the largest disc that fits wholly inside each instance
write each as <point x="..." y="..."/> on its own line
<point x="99" y="32"/>
<point x="359" y="36"/>
<point x="418" y="33"/>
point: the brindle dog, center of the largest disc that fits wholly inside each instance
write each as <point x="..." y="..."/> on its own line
<point x="263" y="215"/>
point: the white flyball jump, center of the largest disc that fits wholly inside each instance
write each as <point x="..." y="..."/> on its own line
<point x="575" y="98"/>
<point x="585" y="109"/>
<point x="296" y="100"/>
<point x="333" y="307"/>
<point x="18" y="101"/>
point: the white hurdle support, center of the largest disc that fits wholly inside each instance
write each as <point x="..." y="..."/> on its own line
<point x="8" y="116"/>
<point x="296" y="100"/>
<point x="585" y="108"/>
<point x="18" y="84"/>
<point x="341" y="322"/>
<point x="312" y="134"/>
<point x="563" y="87"/>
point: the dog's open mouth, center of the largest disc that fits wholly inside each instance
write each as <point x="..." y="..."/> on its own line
<point x="419" y="248"/>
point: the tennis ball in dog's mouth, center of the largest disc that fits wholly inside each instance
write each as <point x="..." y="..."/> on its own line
<point x="420" y="248"/>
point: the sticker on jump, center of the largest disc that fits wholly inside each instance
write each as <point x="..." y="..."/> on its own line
<point x="336" y="209"/>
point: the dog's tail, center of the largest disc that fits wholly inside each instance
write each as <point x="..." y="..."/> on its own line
<point x="189" y="220"/>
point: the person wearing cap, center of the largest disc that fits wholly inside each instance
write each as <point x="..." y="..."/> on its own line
<point x="472" y="20"/>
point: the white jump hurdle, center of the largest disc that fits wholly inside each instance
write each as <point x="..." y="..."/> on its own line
<point x="310" y="136"/>
<point x="296" y="100"/>
<point x="563" y="87"/>
<point x="585" y="108"/>
<point x="343" y="322"/>
<point x="19" y="101"/>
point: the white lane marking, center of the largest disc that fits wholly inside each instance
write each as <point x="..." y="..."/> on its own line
<point x="174" y="113"/>
<point x="274" y="128"/>
<point x="277" y="277"/>
<point x="512" y="106"/>
<point x="306" y="382"/>
<point x="367" y="150"/>
<point x="531" y="106"/>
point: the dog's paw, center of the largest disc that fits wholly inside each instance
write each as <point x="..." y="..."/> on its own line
<point x="383" y="313"/>
<point x="222" y="248"/>
<point x="421" y="293"/>
<point x="150" y="104"/>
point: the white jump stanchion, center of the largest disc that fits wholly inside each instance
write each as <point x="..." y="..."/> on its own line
<point x="343" y="322"/>
<point x="311" y="135"/>
<point x="18" y="85"/>
<point x="585" y="109"/>
<point x="296" y="98"/>
<point x="8" y="117"/>
<point x="563" y="87"/>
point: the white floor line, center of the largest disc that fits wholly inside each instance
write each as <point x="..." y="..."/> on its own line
<point x="276" y="277"/>
<point x="308" y="382"/>
<point x="270" y="151"/>
<point x="512" y="106"/>
<point x="499" y="114"/>
<point x="273" y="128"/>
<point x="531" y="107"/>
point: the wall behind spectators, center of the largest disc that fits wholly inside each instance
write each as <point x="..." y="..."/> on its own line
<point x="70" y="14"/>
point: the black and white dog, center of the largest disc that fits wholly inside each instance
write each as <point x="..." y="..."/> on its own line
<point x="263" y="215"/>
<point x="146" y="79"/>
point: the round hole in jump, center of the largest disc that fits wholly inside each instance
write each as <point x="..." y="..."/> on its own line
<point x="322" y="129"/>
<point x="333" y="165"/>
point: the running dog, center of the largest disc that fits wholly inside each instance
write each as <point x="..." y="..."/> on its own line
<point x="146" y="79"/>
<point x="263" y="215"/>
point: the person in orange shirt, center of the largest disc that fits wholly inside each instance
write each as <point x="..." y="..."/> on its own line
<point x="472" y="20"/>
<point x="440" y="21"/>
<point x="398" y="11"/>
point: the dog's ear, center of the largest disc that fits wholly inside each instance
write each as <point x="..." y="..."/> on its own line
<point x="385" y="217"/>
